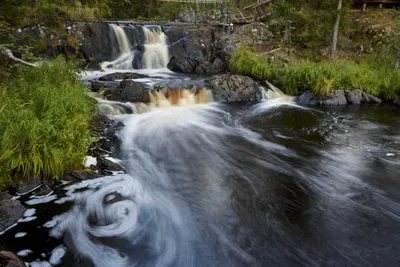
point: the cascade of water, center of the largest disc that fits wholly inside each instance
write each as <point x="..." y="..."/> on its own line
<point x="156" y="54"/>
<point x="158" y="99"/>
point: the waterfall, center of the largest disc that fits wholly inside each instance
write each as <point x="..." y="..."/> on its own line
<point x="156" y="54"/>
<point x="125" y="57"/>
<point x="122" y="38"/>
<point x="155" y="43"/>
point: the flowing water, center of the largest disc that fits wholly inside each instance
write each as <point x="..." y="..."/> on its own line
<point x="154" y="41"/>
<point x="208" y="184"/>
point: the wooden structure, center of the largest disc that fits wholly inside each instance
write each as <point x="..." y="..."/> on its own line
<point x="49" y="18"/>
<point x="257" y="12"/>
<point x="222" y="3"/>
<point x="376" y="2"/>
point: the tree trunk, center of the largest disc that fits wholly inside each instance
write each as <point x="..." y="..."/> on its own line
<point x="336" y="30"/>
<point x="397" y="61"/>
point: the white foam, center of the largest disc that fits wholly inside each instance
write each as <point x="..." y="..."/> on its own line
<point x="19" y="235"/>
<point x="29" y="212"/>
<point x="24" y="253"/>
<point x="115" y="160"/>
<point x="41" y="200"/>
<point x="390" y="154"/>
<point x="57" y="254"/>
<point x="89" y="161"/>
<point x="27" y="219"/>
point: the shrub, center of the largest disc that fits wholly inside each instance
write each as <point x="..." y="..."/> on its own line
<point x="44" y="116"/>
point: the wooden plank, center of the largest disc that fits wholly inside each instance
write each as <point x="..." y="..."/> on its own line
<point x="256" y="5"/>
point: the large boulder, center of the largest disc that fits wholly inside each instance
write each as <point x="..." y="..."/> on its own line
<point x="130" y="91"/>
<point x="234" y="88"/>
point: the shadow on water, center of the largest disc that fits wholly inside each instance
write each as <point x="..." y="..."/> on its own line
<point x="233" y="185"/>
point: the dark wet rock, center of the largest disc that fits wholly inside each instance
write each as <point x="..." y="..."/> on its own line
<point x="175" y="33"/>
<point x="28" y="185"/>
<point x="44" y="190"/>
<point x="130" y="91"/>
<point x="98" y="86"/>
<point x="92" y="172"/>
<point x="234" y="88"/>
<point x="332" y="99"/>
<point x="181" y="64"/>
<point x="182" y="60"/>
<point x="10" y="211"/>
<point x="108" y="165"/>
<point x="396" y="102"/>
<point x="307" y="98"/>
<point x="97" y="123"/>
<point x="122" y="76"/>
<point x="9" y="259"/>
<point x="193" y="51"/>
<point x="206" y="66"/>
<point x="354" y="96"/>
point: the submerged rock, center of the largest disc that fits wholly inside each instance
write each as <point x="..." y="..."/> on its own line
<point x="108" y="165"/>
<point x="122" y="76"/>
<point x="88" y="173"/>
<point x="338" y="97"/>
<point x="397" y="102"/>
<point x="234" y="88"/>
<point x="130" y="91"/>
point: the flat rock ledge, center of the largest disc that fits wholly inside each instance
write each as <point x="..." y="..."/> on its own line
<point x="338" y="97"/>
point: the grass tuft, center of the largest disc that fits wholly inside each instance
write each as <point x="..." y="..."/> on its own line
<point x="375" y="77"/>
<point x="44" y="117"/>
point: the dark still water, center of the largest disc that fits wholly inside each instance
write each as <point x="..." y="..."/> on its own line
<point x="223" y="185"/>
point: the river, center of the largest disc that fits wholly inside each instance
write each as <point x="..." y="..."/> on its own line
<point x="211" y="184"/>
<point x="263" y="184"/>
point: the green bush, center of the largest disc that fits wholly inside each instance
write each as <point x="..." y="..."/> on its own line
<point x="375" y="76"/>
<point x="44" y="116"/>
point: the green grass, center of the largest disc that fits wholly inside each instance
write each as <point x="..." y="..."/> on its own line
<point x="375" y="76"/>
<point x="44" y="117"/>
